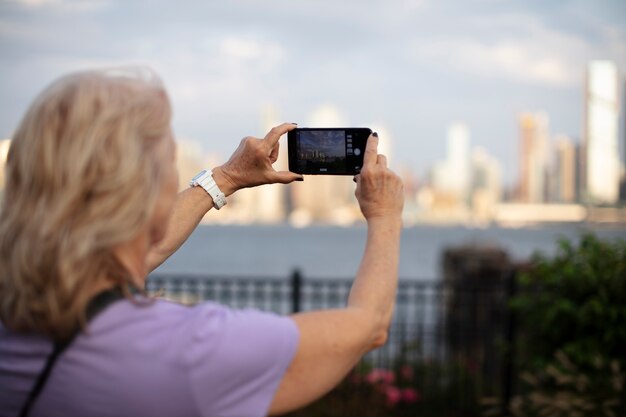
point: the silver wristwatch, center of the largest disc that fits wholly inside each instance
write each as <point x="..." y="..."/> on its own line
<point x="205" y="180"/>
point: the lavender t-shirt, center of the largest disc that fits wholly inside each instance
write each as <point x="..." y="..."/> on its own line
<point x="162" y="359"/>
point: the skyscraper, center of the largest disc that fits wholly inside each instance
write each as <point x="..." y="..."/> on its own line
<point x="486" y="173"/>
<point x="564" y="178"/>
<point x="459" y="158"/>
<point x="600" y="133"/>
<point x="622" y="192"/>
<point x="453" y="176"/>
<point x="4" y="150"/>
<point x="486" y="184"/>
<point x="533" y="157"/>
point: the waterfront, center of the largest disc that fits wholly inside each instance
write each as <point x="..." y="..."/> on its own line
<point x="335" y="252"/>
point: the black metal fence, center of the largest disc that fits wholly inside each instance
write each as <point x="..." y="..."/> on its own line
<point x="451" y="332"/>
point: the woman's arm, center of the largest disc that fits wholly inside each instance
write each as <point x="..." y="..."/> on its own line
<point x="249" y="166"/>
<point x="333" y="341"/>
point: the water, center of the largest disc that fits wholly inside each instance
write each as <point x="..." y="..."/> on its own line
<point x="335" y="252"/>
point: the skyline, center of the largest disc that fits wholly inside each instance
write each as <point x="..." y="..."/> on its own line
<point x="408" y="69"/>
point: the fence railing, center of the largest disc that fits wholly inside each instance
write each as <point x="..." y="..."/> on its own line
<point x="462" y="327"/>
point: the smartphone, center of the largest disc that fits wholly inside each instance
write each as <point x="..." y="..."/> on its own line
<point x="327" y="151"/>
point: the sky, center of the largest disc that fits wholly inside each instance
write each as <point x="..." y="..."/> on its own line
<point x="407" y="68"/>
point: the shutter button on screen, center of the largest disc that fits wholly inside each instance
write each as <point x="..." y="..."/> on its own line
<point x="357" y="151"/>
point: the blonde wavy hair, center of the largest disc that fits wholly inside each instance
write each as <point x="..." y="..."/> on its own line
<point x="82" y="177"/>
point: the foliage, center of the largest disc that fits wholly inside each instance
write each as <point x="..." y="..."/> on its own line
<point x="572" y="314"/>
<point x="575" y="303"/>
<point x="563" y="390"/>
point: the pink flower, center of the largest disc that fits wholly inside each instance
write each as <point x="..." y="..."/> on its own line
<point x="394" y="395"/>
<point x="406" y="372"/>
<point x="374" y="376"/>
<point x="380" y="375"/>
<point x="409" y="395"/>
<point x="388" y="377"/>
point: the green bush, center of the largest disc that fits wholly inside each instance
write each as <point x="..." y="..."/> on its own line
<point x="572" y="346"/>
<point x="562" y="390"/>
<point x="574" y="302"/>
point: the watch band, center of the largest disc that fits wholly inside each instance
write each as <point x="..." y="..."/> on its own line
<point x="205" y="180"/>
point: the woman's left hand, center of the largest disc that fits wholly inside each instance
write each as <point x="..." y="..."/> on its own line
<point x="251" y="164"/>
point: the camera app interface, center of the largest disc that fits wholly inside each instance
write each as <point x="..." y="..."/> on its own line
<point x="323" y="151"/>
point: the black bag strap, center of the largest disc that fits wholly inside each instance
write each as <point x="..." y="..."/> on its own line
<point x="97" y="304"/>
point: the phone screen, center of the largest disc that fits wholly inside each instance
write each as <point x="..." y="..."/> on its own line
<point x="327" y="151"/>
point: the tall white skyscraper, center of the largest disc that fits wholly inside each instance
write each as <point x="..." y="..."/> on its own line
<point x="453" y="176"/>
<point x="459" y="158"/>
<point x="600" y="134"/>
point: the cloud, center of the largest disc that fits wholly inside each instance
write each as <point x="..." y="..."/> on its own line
<point x="66" y="5"/>
<point x="508" y="59"/>
<point x="523" y="50"/>
<point x="228" y="67"/>
<point x="243" y="52"/>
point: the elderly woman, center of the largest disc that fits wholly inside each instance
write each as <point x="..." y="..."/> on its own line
<point x="91" y="207"/>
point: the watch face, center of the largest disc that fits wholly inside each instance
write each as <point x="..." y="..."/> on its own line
<point x="198" y="175"/>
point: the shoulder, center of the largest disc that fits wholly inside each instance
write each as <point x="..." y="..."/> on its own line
<point x="198" y="330"/>
<point x="236" y="332"/>
<point x="237" y="358"/>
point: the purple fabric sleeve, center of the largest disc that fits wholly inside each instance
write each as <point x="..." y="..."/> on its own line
<point x="237" y="359"/>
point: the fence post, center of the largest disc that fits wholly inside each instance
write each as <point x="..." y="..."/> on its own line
<point x="296" y="291"/>
<point x="510" y="331"/>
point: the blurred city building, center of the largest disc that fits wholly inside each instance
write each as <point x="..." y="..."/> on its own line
<point x="464" y="188"/>
<point x="486" y="189"/>
<point x="4" y="150"/>
<point x="601" y="132"/>
<point x="580" y="171"/>
<point x="411" y="186"/>
<point x="563" y="183"/>
<point x="622" y="193"/>
<point x="533" y="157"/>
<point x="451" y="178"/>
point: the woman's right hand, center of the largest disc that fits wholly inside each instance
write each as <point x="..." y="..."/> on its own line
<point x="378" y="189"/>
<point x="251" y="163"/>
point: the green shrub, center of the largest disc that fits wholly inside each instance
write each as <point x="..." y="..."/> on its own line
<point x="574" y="302"/>
<point x="563" y="390"/>
<point x="572" y="346"/>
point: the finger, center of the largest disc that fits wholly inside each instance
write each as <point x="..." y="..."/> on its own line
<point x="285" y="177"/>
<point x="371" y="150"/>
<point x="381" y="160"/>
<point x="274" y="152"/>
<point x="274" y="135"/>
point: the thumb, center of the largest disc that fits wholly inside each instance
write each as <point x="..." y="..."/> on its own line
<point x="286" y="177"/>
